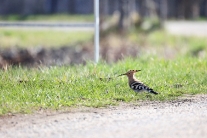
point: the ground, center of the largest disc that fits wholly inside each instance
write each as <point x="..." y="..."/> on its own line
<point x="185" y="117"/>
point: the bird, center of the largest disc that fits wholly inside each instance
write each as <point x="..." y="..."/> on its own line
<point x="136" y="84"/>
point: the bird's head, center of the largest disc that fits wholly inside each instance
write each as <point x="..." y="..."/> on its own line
<point x="130" y="73"/>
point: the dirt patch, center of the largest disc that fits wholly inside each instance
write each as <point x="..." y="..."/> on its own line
<point x="18" y="120"/>
<point x="66" y="55"/>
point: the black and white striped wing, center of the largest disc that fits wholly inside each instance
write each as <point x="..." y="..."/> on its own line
<point x="139" y="87"/>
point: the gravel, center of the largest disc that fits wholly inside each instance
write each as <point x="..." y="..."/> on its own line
<point x="187" y="28"/>
<point x="184" y="118"/>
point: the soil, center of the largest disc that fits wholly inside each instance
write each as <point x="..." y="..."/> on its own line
<point x="65" y="55"/>
<point x="185" y="117"/>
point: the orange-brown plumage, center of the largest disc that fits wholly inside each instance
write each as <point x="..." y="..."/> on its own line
<point x="136" y="84"/>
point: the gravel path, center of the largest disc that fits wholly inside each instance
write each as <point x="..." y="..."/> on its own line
<point x="187" y="28"/>
<point x="60" y="26"/>
<point x="184" y="118"/>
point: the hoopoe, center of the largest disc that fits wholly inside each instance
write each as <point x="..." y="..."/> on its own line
<point x="136" y="84"/>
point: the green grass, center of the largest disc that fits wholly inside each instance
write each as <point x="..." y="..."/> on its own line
<point x="160" y="38"/>
<point x="159" y="41"/>
<point x="26" y="90"/>
<point x="45" y="38"/>
<point x="51" y="18"/>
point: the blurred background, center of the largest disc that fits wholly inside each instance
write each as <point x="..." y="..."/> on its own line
<point x="60" y="32"/>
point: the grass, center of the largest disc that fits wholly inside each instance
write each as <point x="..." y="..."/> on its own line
<point x="25" y="90"/>
<point x="157" y="40"/>
<point x="50" y="18"/>
<point x="160" y="40"/>
<point x="44" y="38"/>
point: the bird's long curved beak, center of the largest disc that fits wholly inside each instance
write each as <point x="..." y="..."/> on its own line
<point x="138" y="70"/>
<point x="121" y="75"/>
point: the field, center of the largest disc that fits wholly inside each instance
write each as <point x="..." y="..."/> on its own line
<point x="51" y="18"/>
<point x="25" y="90"/>
<point x="44" y="38"/>
<point x="24" y="38"/>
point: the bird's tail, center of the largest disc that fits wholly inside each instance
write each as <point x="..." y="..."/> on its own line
<point x="154" y="92"/>
<point x="151" y="91"/>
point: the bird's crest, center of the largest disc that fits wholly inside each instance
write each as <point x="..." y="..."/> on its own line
<point x="130" y="72"/>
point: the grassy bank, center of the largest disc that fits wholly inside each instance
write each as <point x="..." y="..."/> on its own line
<point x="50" y="18"/>
<point x="42" y="38"/>
<point x="20" y="37"/>
<point x="156" y="42"/>
<point x="173" y="66"/>
<point x="25" y="90"/>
